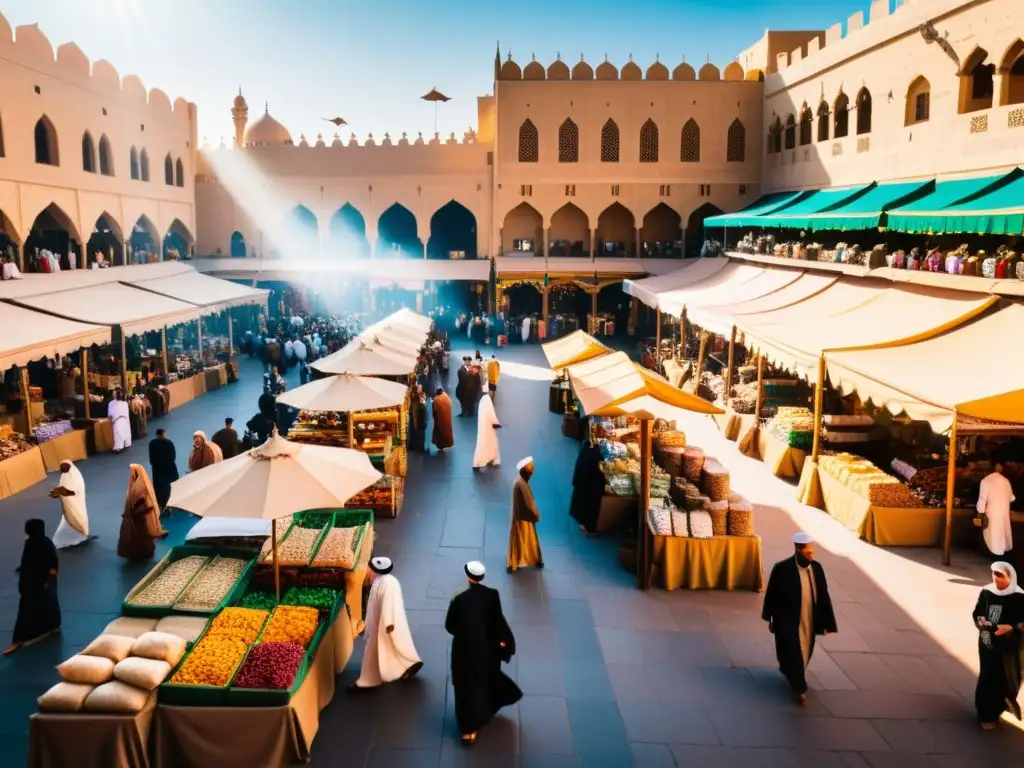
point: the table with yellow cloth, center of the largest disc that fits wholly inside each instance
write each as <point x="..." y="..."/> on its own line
<point x="84" y="740"/>
<point x="890" y="526"/>
<point x="732" y="424"/>
<point x="199" y="384"/>
<point x="244" y="737"/>
<point x="781" y="460"/>
<point x="22" y="471"/>
<point x="721" y="562"/>
<point x="70" y="446"/>
<point x="103" y="435"/>
<point x="181" y="392"/>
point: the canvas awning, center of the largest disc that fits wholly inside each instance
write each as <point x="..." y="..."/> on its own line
<point x="800" y="214"/>
<point x="34" y="284"/>
<point x="751" y="215"/>
<point x="957" y="371"/>
<point x="689" y="273"/>
<point x="365" y="358"/>
<point x="795" y="338"/>
<point x="748" y="281"/>
<point x="921" y="215"/>
<point x="210" y="293"/>
<point x="616" y="386"/>
<point x="345" y="393"/>
<point x="29" y="336"/>
<point x="577" y="347"/>
<point x="134" y="310"/>
<point x="406" y="316"/>
<point x="867" y="210"/>
<point x="392" y="341"/>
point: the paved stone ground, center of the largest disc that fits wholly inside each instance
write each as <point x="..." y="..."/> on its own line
<point x="611" y="676"/>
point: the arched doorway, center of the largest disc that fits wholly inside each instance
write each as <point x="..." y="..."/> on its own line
<point x="613" y="305"/>
<point x="238" y="247"/>
<point x="616" y="232"/>
<point x="177" y="242"/>
<point x="397" y="235"/>
<point x="348" y="234"/>
<point x="522" y="232"/>
<point x="106" y="242"/>
<point x="8" y="239"/>
<point x="52" y="232"/>
<point x="452" y="233"/>
<point x="145" y="242"/>
<point x="568" y="306"/>
<point x="661" y="234"/>
<point x="570" y="232"/>
<point x="695" y="228"/>
<point x="303" y="234"/>
<point x="521" y="300"/>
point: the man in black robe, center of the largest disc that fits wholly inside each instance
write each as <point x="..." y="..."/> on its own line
<point x="38" y="606"/>
<point x="587" y="488"/>
<point x="481" y="641"/>
<point x="227" y="439"/>
<point x="162" y="460"/>
<point x="797" y="608"/>
<point x="462" y="388"/>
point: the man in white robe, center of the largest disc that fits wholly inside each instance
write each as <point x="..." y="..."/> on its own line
<point x="994" y="499"/>
<point x="526" y="330"/>
<point x="487" y="426"/>
<point x="390" y="653"/>
<point x="74" y="522"/>
<point x="117" y="412"/>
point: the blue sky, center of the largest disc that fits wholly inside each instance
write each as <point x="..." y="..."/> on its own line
<point x="370" y="61"/>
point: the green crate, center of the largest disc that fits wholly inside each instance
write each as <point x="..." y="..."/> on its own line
<point x="241" y="583"/>
<point x="295" y="524"/>
<point x="159" y="611"/>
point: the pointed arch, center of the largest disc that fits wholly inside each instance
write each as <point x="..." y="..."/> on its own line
<point x="522" y="231"/>
<point x="649" y="142"/>
<point x="301" y="234"/>
<point x="823" y="121"/>
<point x="54" y="230"/>
<point x="806" y="125"/>
<point x="133" y="163"/>
<point x="347" y="230"/>
<point x="695" y="234"/>
<point x="179" y="173"/>
<point x="239" y="250"/>
<point x="144" y="165"/>
<point x="615" y="233"/>
<point x="689" y="142"/>
<point x="775" y="136"/>
<point x="178" y="240"/>
<point x="452" y="232"/>
<point x="976" y="82"/>
<point x="529" y="142"/>
<point x="47" y="150"/>
<point x="398" y="235"/>
<point x="661" y="233"/>
<point x="841" y="117"/>
<point x="107" y="239"/>
<point x="1012" y="70"/>
<point x="790" y="135"/>
<point x="145" y="242"/>
<point x="736" y="143"/>
<point x="570" y="232"/>
<point x="568" y="142"/>
<point x="88" y="153"/>
<point x="610" y="142"/>
<point x="917" y="108"/>
<point x="106" y="157"/>
<point x="863" y="111"/>
<point x="169" y="170"/>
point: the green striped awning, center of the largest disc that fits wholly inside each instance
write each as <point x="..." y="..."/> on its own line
<point x="751" y="215"/>
<point x="989" y="205"/>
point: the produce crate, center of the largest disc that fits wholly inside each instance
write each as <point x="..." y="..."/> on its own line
<point x="176" y="694"/>
<point x="235" y="592"/>
<point x="159" y="611"/>
<point x="348" y="518"/>
<point x="268" y="560"/>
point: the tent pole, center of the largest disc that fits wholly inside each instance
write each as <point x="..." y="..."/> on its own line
<point x="351" y="429"/>
<point x="642" y="540"/>
<point x="819" y="392"/>
<point x="85" y="381"/>
<point x="231" y="337"/>
<point x="199" y="329"/>
<point x="25" y="397"/>
<point x="163" y="347"/>
<point x="682" y="333"/>
<point x="947" y="544"/>
<point x="731" y="365"/>
<point x="700" y="359"/>
<point x="124" y="362"/>
<point x="657" y="338"/>
<point x="759" y="402"/>
<point x="277" y="567"/>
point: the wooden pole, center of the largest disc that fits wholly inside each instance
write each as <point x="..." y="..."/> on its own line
<point x="25" y="399"/>
<point x="277" y="567"/>
<point x="759" y="402"/>
<point x="947" y="544"/>
<point x="85" y="381"/>
<point x="730" y="367"/>
<point x="819" y="392"/>
<point x="642" y="554"/>
<point x="351" y="429"/>
<point x="593" y="310"/>
<point x="231" y="337"/>
<point x="163" y="348"/>
<point x="682" y="332"/>
<point x="700" y="358"/>
<point x="124" y="362"/>
<point x="657" y="337"/>
<point x="199" y="327"/>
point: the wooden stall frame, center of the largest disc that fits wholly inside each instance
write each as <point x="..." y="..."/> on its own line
<point x="85" y="382"/>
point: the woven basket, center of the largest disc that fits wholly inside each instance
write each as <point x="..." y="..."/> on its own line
<point x="741" y="519"/>
<point x="719" y="516"/>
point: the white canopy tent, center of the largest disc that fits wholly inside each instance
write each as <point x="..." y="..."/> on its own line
<point x="29" y="336"/>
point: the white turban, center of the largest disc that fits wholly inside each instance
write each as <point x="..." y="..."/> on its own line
<point x="524" y="463"/>
<point x="475" y="570"/>
<point x="381" y="565"/>
<point x="802" y="538"/>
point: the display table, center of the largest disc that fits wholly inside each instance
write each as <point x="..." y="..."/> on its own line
<point x="354" y="581"/>
<point x="782" y="460"/>
<point x="198" y="384"/>
<point x="90" y="741"/>
<point x="721" y="562"/>
<point x="216" y="377"/>
<point x="242" y="737"/>
<point x="68" y="447"/>
<point x="103" y="435"/>
<point x="22" y="471"/>
<point x="181" y="391"/>
<point x="105" y="381"/>
<point x="732" y="424"/>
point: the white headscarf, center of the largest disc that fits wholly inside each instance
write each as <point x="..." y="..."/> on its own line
<point x="1012" y="588"/>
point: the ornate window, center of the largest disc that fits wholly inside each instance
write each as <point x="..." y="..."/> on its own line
<point x="776" y="136"/>
<point x="689" y="142"/>
<point x="144" y="165"/>
<point x="168" y="170"/>
<point x="649" y="142"/>
<point x="568" y="142"/>
<point x="841" y="119"/>
<point x="133" y="162"/>
<point x="88" y="154"/>
<point x="46" y="142"/>
<point x="529" y="145"/>
<point x="179" y="173"/>
<point x="106" y="157"/>
<point x="823" y="121"/>
<point x="863" y="111"/>
<point x="736" y="147"/>
<point x="790" y="131"/>
<point x="806" y="125"/>
<point x="610" y="142"/>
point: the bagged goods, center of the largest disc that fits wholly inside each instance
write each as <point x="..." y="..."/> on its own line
<point x="671" y="439"/>
<point x="658" y="519"/>
<point x="116" y="698"/>
<point x="701" y="526"/>
<point x="866" y="480"/>
<point x="843" y="420"/>
<point x="719" y="511"/>
<point x="165" y="586"/>
<point x="160" y="646"/>
<point x="621" y="485"/>
<point x="145" y="674"/>
<point x="693" y="462"/>
<point x="716" y="481"/>
<point x="741" y="518"/>
<point x="111" y="647"/>
<point x="680" y="523"/>
<point x="64" y="697"/>
<point x="86" y="670"/>
<point x="670" y="458"/>
<point x="128" y="626"/>
<point x="188" y="628"/>
<point x="614" y="467"/>
<point x="296" y="549"/>
<point x="212" y="585"/>
<point x="338" y="549"/>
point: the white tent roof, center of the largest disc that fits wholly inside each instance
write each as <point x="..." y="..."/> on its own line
<point x="68" y="280"/>
<point x="29" y="336"/>
<point x="210" y="293"/>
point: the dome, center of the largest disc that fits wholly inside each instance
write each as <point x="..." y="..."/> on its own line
<point x="510" y="70"/>
<point x="709" y="72"/>
<point x="533" y="71"/>
<point x="684" y="72"/>
<point x="266" y="131"/>
<point x="657" y="71"/>
<point x="607" y="71"/>
<point x="558" y="70"/>
<point x="582" y="71"/>
<point x="240" y="100"/>
<point x="631" y="71"/>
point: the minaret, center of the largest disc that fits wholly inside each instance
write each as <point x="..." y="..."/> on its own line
<point x="497" y="61"/>
<point x="240" y="116"/>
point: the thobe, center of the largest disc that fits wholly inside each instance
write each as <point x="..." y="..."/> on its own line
<point x="798" y="605"/>
<point x="117" y="412"/>
<point x="227" y="440"/>
<point x="472" y="389"/>
<point x="994" y="499"/>
<point x="523" y="544"/>
<point x="460" y="389"/>
<point x="390" y="655"/>
<point x="493" y="372"/>
<point x="442" y="436"/>
<point x="74" y="522"/>
<point x="487" y="425"/>
<point x="478" y="628"/>
<point x="526" y="329"/>
<point x="163" y="462"/>
<point x="587" y="488"/>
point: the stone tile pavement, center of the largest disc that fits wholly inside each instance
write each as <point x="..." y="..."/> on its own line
<point x="611" y="676"/>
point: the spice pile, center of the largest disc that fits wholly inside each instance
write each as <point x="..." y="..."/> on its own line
<point x="212" y="585"/>
<point x="217" y="655"/>
<point x="291" y="624"/>
<point x="13" y="445"/>
<point x="866" y="480"/>
<point x="164" y="587"/>
<point x="270" y="666"/>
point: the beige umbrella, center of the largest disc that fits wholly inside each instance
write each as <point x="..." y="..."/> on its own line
<point x="345" y="393"/>
<point x="275" y="480"/>
<point x="436" y="97"/>
<point x="393" y="341"/>
<point x="364" y="357"/>
<point x="406" y="316"/>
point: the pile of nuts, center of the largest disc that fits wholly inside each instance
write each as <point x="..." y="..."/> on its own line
<point x="296" y="549"/>
<point x="338" y="549"/>
<point x="167" y="585"/>
<point x="212" y="585"/>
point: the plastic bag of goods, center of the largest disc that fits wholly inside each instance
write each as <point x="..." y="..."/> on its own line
<point x="741" y="518"/>
<point x="693" y="463"/>
<point x="716" y="481"/>
<point x="719" y="511"/>
<point x="701" y="526"/>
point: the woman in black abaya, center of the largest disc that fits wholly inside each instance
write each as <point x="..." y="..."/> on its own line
<point x="38" y="609"/>
<point x="999" y="617"/>
<point x="587" y="488"/>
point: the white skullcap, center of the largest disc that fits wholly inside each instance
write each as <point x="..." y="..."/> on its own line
<point x="475" y="570"/>
<point x="802" y="538"/>
<point x="381" y="565"/>
<point x="525" y="462"/>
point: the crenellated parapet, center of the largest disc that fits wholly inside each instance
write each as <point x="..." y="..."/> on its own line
<point x="29" y="47"/>
<point x="559" y="71"/>
<point x="353" y="142"/>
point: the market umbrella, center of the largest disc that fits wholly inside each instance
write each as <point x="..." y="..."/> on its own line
<point x="364" y="357"/>
<point x="337" y="121"/>
<point x="345" y="393"/>
<point x="275" y="480"/>
<point x="437" y="97"/>
<point x="393" y="342"/>
<point x="406" y="316"/>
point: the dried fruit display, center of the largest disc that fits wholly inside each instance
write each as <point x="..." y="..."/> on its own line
<point x="716" y="480"/>
<point x="793" y="426"/>
<point x="164" y="587"/>
<point x="270" y="666"/>
<point x="741" y="518"/>
<point x="672" y="438"/>
<point x="241" y="623"/>
<point x="338" y="549"/>
<point x="212" y="585"/>
<point x="866" y="480"/>
<point x="296" y="549"/>
<point x="12" y="445"/>
<point x="291" y="624"/>
<point x="719" y="511"/>
<point x="693" y="462"/>
<point x="700" y="524"/>
<point x="212" y="662"/>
